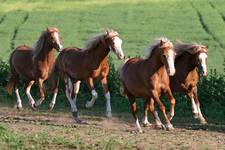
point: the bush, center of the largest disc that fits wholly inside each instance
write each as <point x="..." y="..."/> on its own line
<point x="211" y="93"/>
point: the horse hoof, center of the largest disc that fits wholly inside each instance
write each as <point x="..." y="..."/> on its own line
<point x="203" y="121"/>
<point x="170" y="117"/>
<point x="169" y="127"/>
<point x="38" y="103"/>
<point x="51" y="106"/>
<point x="160" y="126"/>
<point x="88" y="104"/>
<point x="147" y="124"/>
<point x="108" y="114"/>
<point x="195" y="115"/>
<point x="79" y="121"/>
<point x="19" y="108"/>
<point x="34" y="108"/>
<point x="136" y="131"/>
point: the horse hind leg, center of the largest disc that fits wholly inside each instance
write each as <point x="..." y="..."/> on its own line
<point x="72" y="100"/>
<point x="94" y="94"/>
<point x="13" y="81"/>
<point x="31" y="99"/>
<point x="18" y="99"/>
<point x="42" y="93"/>
<point x="107" y="97"/>
<point x="145" y="121"/>
<point x="134" y="112"/>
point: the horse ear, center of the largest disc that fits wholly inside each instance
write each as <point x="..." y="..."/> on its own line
<point x="48" y="29"/>
<point x="162" y="42"/>
<point x="207" y="46"/>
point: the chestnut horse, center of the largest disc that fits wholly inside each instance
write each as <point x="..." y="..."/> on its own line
<point x="34" y="65"/>
<point x="148" y="78"/>
<point x="186" y="78"/>
<point x="101" y="74"/>
<point x="78" y="65"/>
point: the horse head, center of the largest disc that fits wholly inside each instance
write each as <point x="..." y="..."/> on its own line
<point x="54" y="38"/>
<point x="201" y="57"/>
<point x="114" y="43"/>
<point x="167" y="55"/>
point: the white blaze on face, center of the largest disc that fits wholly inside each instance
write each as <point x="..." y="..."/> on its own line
<point x="170" y="61"/>
<point x="56" y="37"/>
<point x="202" y="58"/>
<point x="118" y="47"/>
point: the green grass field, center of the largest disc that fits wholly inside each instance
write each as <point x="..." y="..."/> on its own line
<point x="137" y="21"/>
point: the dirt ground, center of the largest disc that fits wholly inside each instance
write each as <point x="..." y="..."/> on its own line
<point x="101" y="130"/>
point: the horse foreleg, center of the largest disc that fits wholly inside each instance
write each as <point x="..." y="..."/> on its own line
<point x="19" y="102"/>
<point x="31" y="100"/>
<point x="107" y="97"/>
<point x="155" y="114"/>
<point x="42" y="92"/>
<point x="200" y="116"/>
<point x="169" y="96"/>
<point x="52" y="104"/>
<point x="169" y="126"/>
<point x="145" y="119"/>
<point x="94" y="94"/>
<point x="134" y="112"/>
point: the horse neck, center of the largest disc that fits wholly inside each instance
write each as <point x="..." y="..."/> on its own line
<point x="154" y="61"/>
<point x="98" y="54"/>
<point x="188" y="62"/>
<point x="46" y="55"/>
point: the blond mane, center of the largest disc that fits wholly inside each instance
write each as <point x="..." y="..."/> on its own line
<point x="156" y="43"/>
<point x="38" y="46"/>
<point x="94" y="41"/>
<point x="191" y="48"/>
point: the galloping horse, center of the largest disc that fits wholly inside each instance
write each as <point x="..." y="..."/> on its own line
<point x="186" y="78"/>
<point x="34" y="64"/>
<point x="148" y="78"/>
<point x="77" y="65"/>
<point x="101" y="74"/>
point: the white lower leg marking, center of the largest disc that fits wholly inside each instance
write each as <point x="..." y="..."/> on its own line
<point x="199" y="112"/>
<point x="31" y="99"/>
<point x="19" y="102"/>
<point x="157" y="120"/>
<point x="68" y="95"/>
<point x="54" y="98"/>
<point x="138" y="125"/>
<point x="108" y="102"/>
<point x="92" y="101"/>
<point x="194" y="107"/>
<point x="145" y="120"/>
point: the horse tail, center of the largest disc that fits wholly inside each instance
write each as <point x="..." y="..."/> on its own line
<point x="14" y="77"/>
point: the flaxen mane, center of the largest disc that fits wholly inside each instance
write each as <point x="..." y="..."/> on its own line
<point x="38" y="46"/>
<point x="148" y="51"/>
<point x="191" y="48"/>
<point x="94" y="41"/>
